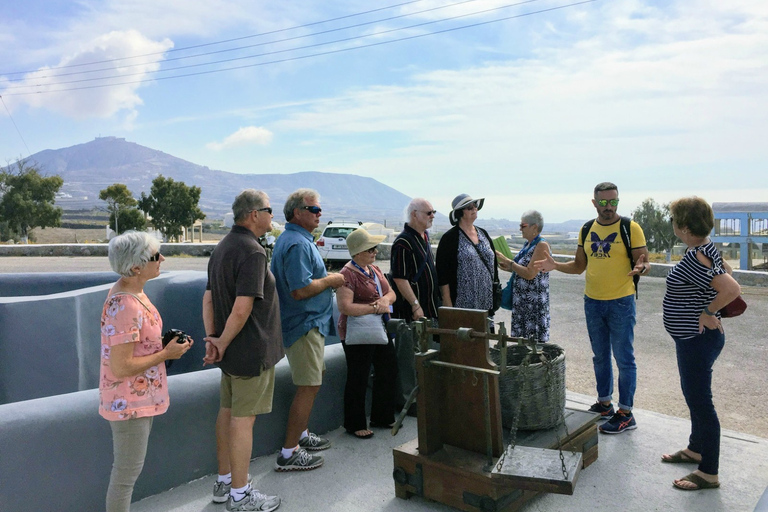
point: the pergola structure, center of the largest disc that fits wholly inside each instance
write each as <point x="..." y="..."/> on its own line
<point x="743" y="224"/>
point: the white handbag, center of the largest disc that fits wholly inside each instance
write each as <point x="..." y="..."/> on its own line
<point x="366" y="330"/>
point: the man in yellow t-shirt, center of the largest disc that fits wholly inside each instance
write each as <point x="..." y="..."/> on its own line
<point x="609" y="302"/>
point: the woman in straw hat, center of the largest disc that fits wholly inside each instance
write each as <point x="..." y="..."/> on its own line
<point x="366" y="292"/>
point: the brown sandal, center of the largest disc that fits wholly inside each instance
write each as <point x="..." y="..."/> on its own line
<point x="679" y="457"/>
<point x="698" y="481"/>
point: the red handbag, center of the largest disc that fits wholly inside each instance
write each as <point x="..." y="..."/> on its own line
<point x="736" y="307"/>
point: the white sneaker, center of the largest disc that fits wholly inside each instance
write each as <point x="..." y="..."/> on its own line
<point x="254" y="500"/>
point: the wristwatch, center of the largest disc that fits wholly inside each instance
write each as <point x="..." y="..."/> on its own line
<point x="415" y="304"/>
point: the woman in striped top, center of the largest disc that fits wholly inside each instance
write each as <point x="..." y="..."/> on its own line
<point x="697" y="288"/>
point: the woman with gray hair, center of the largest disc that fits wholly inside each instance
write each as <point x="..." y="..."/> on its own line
<point x="133" y="385"/>
<point x="530" y="288"/>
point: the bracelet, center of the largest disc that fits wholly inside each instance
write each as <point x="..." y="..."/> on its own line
<point x="415" y="308"/>
<point x="708" y="312"/>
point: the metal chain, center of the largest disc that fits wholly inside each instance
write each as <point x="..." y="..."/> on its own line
<point x="550" y="369"/>
<point x="522" y="380"/>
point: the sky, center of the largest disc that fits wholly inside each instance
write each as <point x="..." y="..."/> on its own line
<point x="528" y="104"/>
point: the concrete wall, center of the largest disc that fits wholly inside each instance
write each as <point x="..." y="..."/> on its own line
<point x="56" y="452"/>
<point x="46" y="283"/>
<point x="743" y="277"/>
<point x="174" y="249"/>
<point x="56" y="337"/>
<point x="50" y="344"/>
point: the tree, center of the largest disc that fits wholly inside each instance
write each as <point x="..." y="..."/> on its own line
<point x="657" y="226"/>
<point x="28" y="199"/>
<point x="172" y="206"/>
<point x="121" y="205"/>
<point x="127" y="220"/>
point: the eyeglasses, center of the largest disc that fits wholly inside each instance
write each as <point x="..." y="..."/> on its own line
<point x="155" y="257"/>
<point x="372" y="249"/>
<point x="523" y="226"/>
<point x="312" y="209"/>
<point x="428" y="212"/>
<point x="606" y="202"/>
<point x="268" y="209"/>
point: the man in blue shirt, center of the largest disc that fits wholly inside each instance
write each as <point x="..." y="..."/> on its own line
<point x="304" y="289"/>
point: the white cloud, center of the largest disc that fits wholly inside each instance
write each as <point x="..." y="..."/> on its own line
<point x="248" y="136"/>
<point x="73" y="89"/>
<point x="654" y="100"/>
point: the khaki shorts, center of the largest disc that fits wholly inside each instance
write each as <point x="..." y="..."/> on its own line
<point x="248" y="396"/>
<point x="307" y="359"/>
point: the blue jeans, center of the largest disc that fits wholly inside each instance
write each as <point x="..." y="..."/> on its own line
<point x="611" y="325"/>
<point x="695" y="357"/>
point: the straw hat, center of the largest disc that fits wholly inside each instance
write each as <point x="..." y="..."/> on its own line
<point x="360" y="240"/>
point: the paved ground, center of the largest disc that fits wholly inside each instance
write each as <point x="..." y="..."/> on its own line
<point x="627" y="476"/>
<point x="740" y="380"/>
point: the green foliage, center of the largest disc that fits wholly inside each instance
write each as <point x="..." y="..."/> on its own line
<point x="172" y="206"/>
<point x="117" y="194"/>
<point x="123" y="215"/>
<point x="127" y="220"/>
<point x="654" y="219"/>
<point x="28" y="199"/>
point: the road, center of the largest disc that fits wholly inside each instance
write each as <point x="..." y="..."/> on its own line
<point x="739" y="380"/>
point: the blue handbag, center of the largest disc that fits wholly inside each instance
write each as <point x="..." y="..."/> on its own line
<point x="506" y="293"/>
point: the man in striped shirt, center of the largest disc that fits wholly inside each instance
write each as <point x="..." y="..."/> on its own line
<point x="609" y="302"/>
<point x="412" y="267"/>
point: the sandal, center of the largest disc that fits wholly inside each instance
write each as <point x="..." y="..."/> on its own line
<point x="698" y="481"/>
<point x="680" y="457"/>
<point x="358" y="435"/>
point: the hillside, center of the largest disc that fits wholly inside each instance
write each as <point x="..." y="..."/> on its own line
<point x="88" y="168"/>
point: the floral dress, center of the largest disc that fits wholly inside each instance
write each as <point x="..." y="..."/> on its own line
<point x="126" y="319"/>
<point x="530" y="300"/>
<point x="474" y="287"/>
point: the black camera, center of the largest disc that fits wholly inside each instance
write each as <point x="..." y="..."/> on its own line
<point x="172" y="333"/>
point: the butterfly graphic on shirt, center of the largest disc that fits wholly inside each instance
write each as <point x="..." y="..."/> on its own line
<point x="602" y="248"/>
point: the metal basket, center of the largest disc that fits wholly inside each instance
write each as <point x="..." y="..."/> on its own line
<point x="539" y="387"/>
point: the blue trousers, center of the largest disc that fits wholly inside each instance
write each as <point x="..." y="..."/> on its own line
<point x="611" y="327"/>
<point x="695" y="357"/>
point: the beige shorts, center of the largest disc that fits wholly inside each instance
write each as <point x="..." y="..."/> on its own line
<point x="307" y="359"/>
<point x="248" y="396"/>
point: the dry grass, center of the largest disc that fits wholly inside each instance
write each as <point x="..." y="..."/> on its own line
<point x="84" y="236"/>
<point x="68" y="236"/>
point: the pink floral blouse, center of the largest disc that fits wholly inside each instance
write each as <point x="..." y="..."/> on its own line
<point x="125" y="320"/>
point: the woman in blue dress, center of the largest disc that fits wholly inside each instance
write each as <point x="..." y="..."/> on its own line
<point x="530" y="295"/>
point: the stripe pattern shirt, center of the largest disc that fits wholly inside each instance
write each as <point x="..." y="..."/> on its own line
<point x="689" y="291"/>
<point x="410" y="252"/>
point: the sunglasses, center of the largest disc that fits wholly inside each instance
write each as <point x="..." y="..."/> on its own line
<point x="372" y="249"/>
<point x="606" y="202"/>
<point x="313" y="209"/>
<point x="523" y="226"/>
<point x="428" y="212"/>
<point x="471" y="206"/>
<point x="268" y="209"/>
<point x="155" y="257"/>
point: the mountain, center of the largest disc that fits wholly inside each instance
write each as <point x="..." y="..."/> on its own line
<point x="90" y="167"/>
